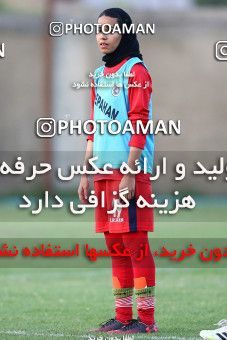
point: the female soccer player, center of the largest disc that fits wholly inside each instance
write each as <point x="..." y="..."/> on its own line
<point x="128" y="227"/>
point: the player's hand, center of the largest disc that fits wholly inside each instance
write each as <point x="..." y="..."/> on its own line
<point x="128" y="181"/>
<point x="83" y="189"/>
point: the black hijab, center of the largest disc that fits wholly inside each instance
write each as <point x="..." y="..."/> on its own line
<point x="128" y="46"/>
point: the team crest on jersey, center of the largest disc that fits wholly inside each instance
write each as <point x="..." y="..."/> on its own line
<point x="117" y="214"/>
<point x="116" y="90"/>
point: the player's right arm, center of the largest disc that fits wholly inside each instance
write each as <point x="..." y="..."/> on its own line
<point x="84" y="182"/>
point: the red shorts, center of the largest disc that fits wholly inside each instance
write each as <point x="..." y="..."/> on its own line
<point x="130" y="219"/>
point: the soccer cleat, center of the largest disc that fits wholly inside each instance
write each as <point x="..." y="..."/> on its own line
<point x="137" y="326"/>
<point x="109" y="325"/>
<point x="216" y="334"/>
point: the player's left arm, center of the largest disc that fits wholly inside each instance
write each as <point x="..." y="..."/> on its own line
<point x="139" y="99"/>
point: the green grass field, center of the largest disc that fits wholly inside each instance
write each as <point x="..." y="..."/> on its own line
<point x="66" y="302"/>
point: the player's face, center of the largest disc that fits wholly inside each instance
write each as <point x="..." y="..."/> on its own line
<point x="107" y="43"/>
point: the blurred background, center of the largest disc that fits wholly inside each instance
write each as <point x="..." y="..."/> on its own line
<point x="37" y="73"/>
<point x="189" y="84"/>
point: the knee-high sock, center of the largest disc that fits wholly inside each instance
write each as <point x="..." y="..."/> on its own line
<point x="123" y="303"/>
<point x="123" y="283"/>
<point x="144" y="274"/>
<point x="145" y="304"/>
